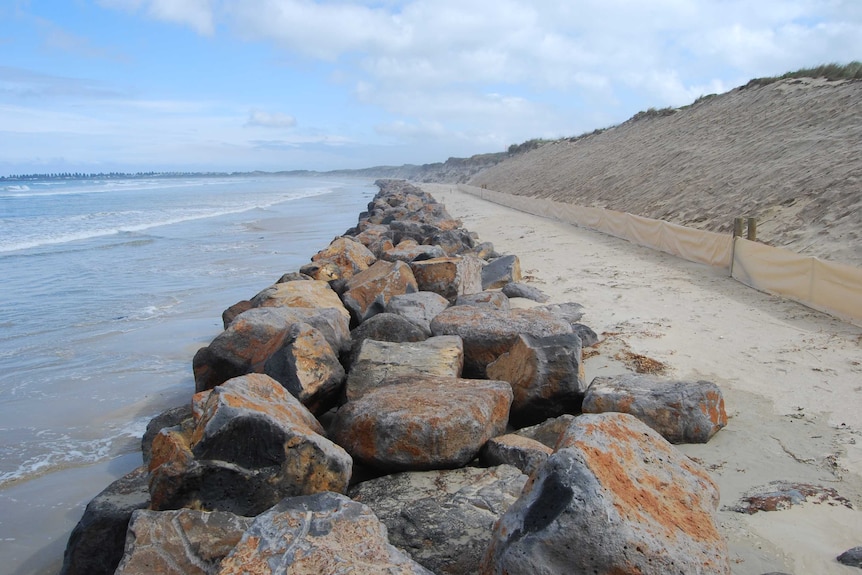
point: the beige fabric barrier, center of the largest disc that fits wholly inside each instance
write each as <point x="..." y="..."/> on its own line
<point x="688" y="243"/>
<point x="829" y="287"/>
<point x="832" y="288"/>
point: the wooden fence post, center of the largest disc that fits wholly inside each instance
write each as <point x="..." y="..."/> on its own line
<point x="737" y="227"/>
<point x="752" y="229"/>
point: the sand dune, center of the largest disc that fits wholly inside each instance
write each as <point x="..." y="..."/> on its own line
<point x="788" y="153"/>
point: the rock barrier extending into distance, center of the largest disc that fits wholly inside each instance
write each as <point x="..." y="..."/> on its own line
<point x="385" y="409"/>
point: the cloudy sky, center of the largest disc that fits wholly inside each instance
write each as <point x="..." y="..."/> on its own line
<point x="128" y="85"/>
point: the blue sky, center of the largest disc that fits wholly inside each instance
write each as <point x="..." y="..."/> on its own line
<point x="227" y="85"/>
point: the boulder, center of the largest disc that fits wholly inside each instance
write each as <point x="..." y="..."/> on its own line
<point x="489" y="333"/>
<point x="851" y="557"/>
<point x="442" y="518"/>
<point x="492" y="299"/>
<point x="454" y="241"/>
<point x="485" y="251"/>
<point x="570" y="311"/>
<point x="380" y="361"/>
<point x="522" y="452"/>
<point x="384" y="327"/>
<point x="348" y="254"/>
<point x="546" y="374"/>
<point x="230" y="313"/>
<point x="516" y="289"/>
<point x="377" y="238"/>
<point x="682" y="411"/>
<point x="614" y="498"/>
<point x="315" y="534"/>
<point x="588" y="337"/>
<point x="253" y="445"/>
<point x="314" y="294"/>
<point x="246" y="345"/>
<point x="308" y="368"/>
<point x="293" y="277"/>
<point x="369" y="291"/>
<point x="323" y="270"/>
<point x="408" y="250"/>
<point x="418" y="308"/>
<point x="168" y="418"/>
<point x="182" y="542"/>
<point x="548" y="432"/>
<point x="95" y="546"/>
<point x="423" y="423"/>
<point x="449" y="276"/>
<point x="500" y="272"/>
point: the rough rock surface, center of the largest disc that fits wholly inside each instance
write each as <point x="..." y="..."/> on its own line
<point x="230" y="313"/>
<point x="384" y="327"/>
<point x="444" y="518"/>
<point x="682" y="411"/>
<point x="588" y="337"/>
<point x="546" y="374"/>
<point x="501" y="271"/>
<point x="369" y="291"/>
<point x="851" y="557"/>
<point x="408" y="250"/>
<point x="315" y="534"/>
<point x="492" y="299"/>
<point x="379" y="361"/>
<point x="614" y="498"/>
<point x="96" y="544"/>
<point x="253" y="445"/>
<point x="549" y="431"/>
<point x="167" y="418"/>
<point x="183" y="542"/>
<point x="522" y="452"/>
<point x="307" y="367"/>
<point x="304" y="294"/>
<point x="418" y="308"/>
<point x="348" y="254"/>
<point x="516" y="289"/>
<point x="256" y="334"/>
<point x="449" y="276"/>
<point x="489" y="333"/>
<point x="427" y="423"/>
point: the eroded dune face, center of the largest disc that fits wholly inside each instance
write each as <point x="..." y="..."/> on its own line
<point x="785" y="153"/>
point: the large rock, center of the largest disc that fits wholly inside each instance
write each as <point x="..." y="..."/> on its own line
<point x="492" y="299"/>
<point x="489" y="333"/>
<point x="379" y="361"/>
<point x="418" y="308"/>
<point x="96" y="544"/>
<point x="549" y="431"/>
<point x="302" y="294"/>
<point x="315" y="534"/>
<point x="546" y="374"/>
<point x="183" y="542"/>
<point x="384" y="327"/>
<point x="230" y="313"/>
<point x="369" y="291"/>
<point x="682" y="411"/>
<point x="517" y="289"/>
<point x="449" y="276"/>
<point x="522" y="452"/>
<point x="443" y="519"/>
<point x="501" y="271"/>
<point x="308" y="368"/>
<point x="408" y="250"/>
<point x="614" y="498"/>
<point x="454" y="241"/>
<point x="168" y="418"/>
<point x="423" y="423"/>
<point x="255" y="335"/>
<point x="253" y="445"/>
<point x="348" y="255"/>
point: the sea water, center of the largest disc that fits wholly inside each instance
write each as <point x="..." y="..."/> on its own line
<point x="107" y="289"/>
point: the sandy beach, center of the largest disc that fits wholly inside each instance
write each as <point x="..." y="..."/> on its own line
<point x="791" y="376"/>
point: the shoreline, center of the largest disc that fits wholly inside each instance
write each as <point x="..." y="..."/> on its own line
<point x="787" y="372"/>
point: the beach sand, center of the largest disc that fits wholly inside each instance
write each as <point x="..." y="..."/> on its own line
<point x="791" y="376"/>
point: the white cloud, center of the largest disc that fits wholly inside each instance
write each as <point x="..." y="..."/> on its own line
<point x="270" y="120"/>
<point x="197" y="14"/>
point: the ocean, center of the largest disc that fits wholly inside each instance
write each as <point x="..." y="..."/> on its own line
<point x="107" y="289"/>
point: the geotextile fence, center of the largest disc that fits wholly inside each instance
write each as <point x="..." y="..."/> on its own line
<point x="829" y="287"/>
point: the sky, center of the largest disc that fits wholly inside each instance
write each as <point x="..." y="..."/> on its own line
<point x="240" y="85"/>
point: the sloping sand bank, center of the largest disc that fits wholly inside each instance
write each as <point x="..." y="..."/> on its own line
<point x="791" y="376"/>
<point x="786" y="153"/>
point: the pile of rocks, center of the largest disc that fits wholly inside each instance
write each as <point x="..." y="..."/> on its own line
<point x="386" y="409"/>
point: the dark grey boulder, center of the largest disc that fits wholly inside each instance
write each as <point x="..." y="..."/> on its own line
<point x="492" y="299"/>
<point x="384" y="327"/>
<point x="167" y="418"/>
<point x="443" y="519"/>
<point x="588" y="337"/>
<point x="419" y="308"/>
<point x="851" y="557"/>
<point x="96" y="544"/>
<point x="500" y="272"/>
<point x="516" y="289"/>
